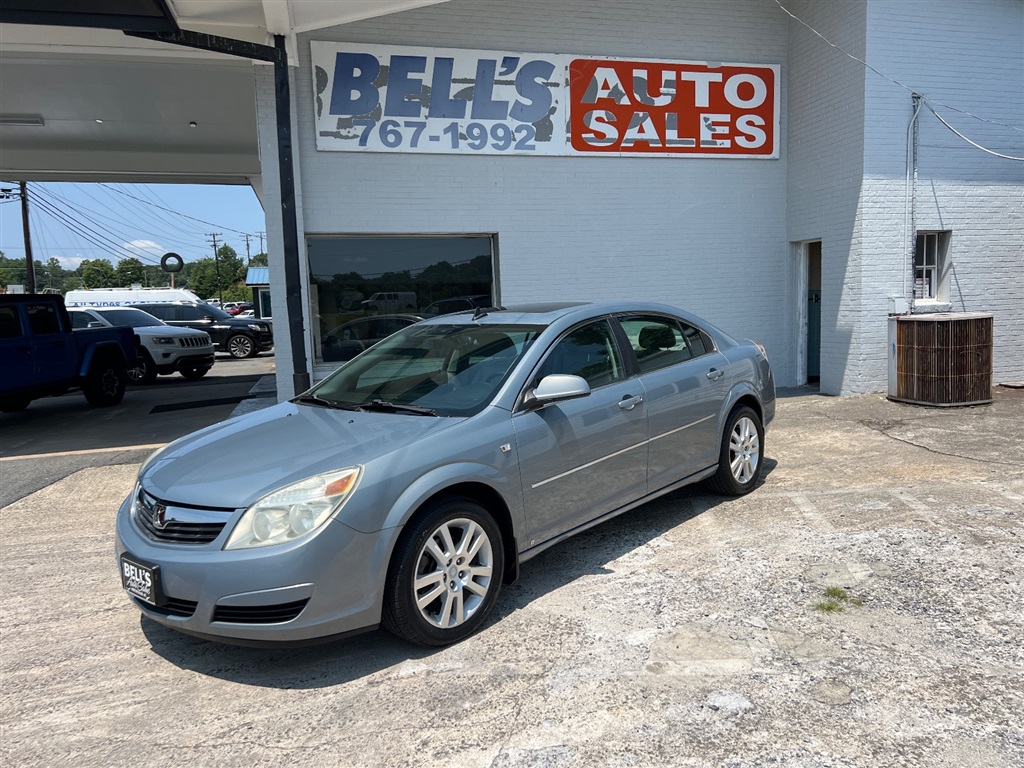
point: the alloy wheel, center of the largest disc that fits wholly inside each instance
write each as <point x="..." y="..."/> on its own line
<point x="453" y="573"/>
<point x="744" y="450"/>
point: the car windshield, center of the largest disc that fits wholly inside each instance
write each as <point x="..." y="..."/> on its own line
<point x="129" y="318"/>
<point x="443" y="370"/>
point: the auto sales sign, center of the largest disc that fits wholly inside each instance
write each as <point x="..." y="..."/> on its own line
<point x="394" y="99"/>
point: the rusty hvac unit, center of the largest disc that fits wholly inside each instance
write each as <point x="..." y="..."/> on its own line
<point x="941" y="359"/>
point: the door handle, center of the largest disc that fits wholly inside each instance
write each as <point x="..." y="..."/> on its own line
<point x="629" y="402"/>
<point x="714" y="374"/>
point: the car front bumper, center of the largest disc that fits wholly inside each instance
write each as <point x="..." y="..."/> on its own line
<point x="325" y="586"/>
<point x="189" y="362"/>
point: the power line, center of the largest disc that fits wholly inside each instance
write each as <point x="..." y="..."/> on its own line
<point x="170" y="237"/>
<point x="95" y="224"/>
<point x="86" y="232"/>
<point x="148" y="212"/>
<point x="927" y="102"/>
<point x="177" y="213"/>
<point x="972" y="143"/>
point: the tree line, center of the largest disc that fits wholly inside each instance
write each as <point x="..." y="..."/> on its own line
<point x="206" y="277"/>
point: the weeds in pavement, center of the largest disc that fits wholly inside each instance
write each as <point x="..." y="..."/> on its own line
<point x="838" y="599"/>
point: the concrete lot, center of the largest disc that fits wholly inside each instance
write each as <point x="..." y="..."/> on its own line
<point x="685" y="633"/>
<point x="56" y="436"/>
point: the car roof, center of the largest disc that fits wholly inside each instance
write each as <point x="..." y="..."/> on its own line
<point x="101" y="309"/>
<point x="567" y="313"/>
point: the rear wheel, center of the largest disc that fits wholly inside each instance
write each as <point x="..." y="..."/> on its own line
<point x="194" y="373"/>
<point x="241" y="346"/>
<point x="445" y="574"/>
<point x="104" y="385"/>
<point x="142" y="370"/>
<point x="739" y="463"/>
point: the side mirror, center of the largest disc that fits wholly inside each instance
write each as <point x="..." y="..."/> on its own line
<point x="555" y="388"/>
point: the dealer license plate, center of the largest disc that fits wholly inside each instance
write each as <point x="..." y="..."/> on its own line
<point x="141" y="580"/>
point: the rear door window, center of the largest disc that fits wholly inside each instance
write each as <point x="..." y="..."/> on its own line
<point x="80" y="320"/>
<point x="190" y="313"/>
<point x="43" y="319"/>
<point x="657" y="341"/>
<point x="162" y="311"/>
<point x="10" y="324"/>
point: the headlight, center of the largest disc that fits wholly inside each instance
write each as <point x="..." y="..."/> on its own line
<point x="255" y="327"/>
<point x="163" y="340"/>
<point x="294" y="511"/>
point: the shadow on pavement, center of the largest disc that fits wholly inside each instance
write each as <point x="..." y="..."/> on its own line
<point x="342" y="661"/>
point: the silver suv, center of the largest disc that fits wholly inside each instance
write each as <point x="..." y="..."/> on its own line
<point x="163" y="349"/>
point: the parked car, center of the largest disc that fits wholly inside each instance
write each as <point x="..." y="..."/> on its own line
<point x="238" y="337"/>
<point x="41" y="354"/>
<point x="235" y="308"/>
<point x="162" y="349"/>
<point x="409" y="485"/>
<point x="391" y="301"/>
<point x="457" y="304"/>
<point x="348" y="340"/>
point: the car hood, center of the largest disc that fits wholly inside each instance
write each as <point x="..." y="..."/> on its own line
<point x="167" y="330"/>
<point x="232" y="464"/>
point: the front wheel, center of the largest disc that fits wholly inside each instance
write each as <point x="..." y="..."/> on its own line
<point x="105" y="383"/>
<point x="739" y="462"/>
<point x="240" y="346"/>
<point x="142" y="370"/>
<point x="445" y="574"/>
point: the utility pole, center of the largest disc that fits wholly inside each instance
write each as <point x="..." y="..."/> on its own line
<point x="260" y="235"/>
<point x="248" y="257"/>
<point x="30" y="272"/>
<point x="216" y="266"/>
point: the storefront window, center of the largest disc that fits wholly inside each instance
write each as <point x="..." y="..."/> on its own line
<point x="400" y="278"/>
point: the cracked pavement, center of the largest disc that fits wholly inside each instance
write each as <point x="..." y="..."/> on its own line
<point x="688" y="632"/>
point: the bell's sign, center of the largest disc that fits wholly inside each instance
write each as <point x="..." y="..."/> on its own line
<point x="391" y="99"/>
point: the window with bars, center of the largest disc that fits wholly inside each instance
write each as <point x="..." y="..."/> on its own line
<point x="929" y="264"/>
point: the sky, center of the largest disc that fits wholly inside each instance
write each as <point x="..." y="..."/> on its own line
<point x="76" y="221"/>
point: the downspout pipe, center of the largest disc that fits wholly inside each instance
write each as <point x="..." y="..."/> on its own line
<point x="278" y="56"/>
<point x="909" y="199"/>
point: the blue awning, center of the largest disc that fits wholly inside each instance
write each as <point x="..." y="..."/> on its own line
<point x="258" y="276"/>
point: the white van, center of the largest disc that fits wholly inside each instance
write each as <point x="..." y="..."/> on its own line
<point x="395" y="301"/>
<point x="123" y="297"/>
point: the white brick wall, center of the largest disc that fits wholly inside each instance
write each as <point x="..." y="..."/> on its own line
<point x="969" y="56"/>
<point x="847" y="167"/>
<point x="714" y="235"/>
<point x="826" y="143"/>
<point x="705" y="234"/>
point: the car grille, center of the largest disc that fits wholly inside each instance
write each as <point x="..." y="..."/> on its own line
<point x="259" y="614"/>
<point x="171" y="607"/>
<point x="194" y="341"/>
<point x="177" y="525"/>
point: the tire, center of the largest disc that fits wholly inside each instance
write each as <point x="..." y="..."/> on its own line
<point x="241" y="346"/>
<point x="192" y="374"/>
<point x="429" y="552"/>
<point x="740" y="459"/>
<point x="15" y="404"/>
<point x="105" y="383"/>
<point x="143" y="370"/>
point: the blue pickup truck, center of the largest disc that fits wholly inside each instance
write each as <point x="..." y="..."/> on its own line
<point x="41" y="355"/>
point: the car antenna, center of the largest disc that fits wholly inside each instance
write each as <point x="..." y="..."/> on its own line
<point x="484" y="311"/>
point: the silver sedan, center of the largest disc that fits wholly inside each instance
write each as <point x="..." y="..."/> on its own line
<point x="405" y="489"/>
